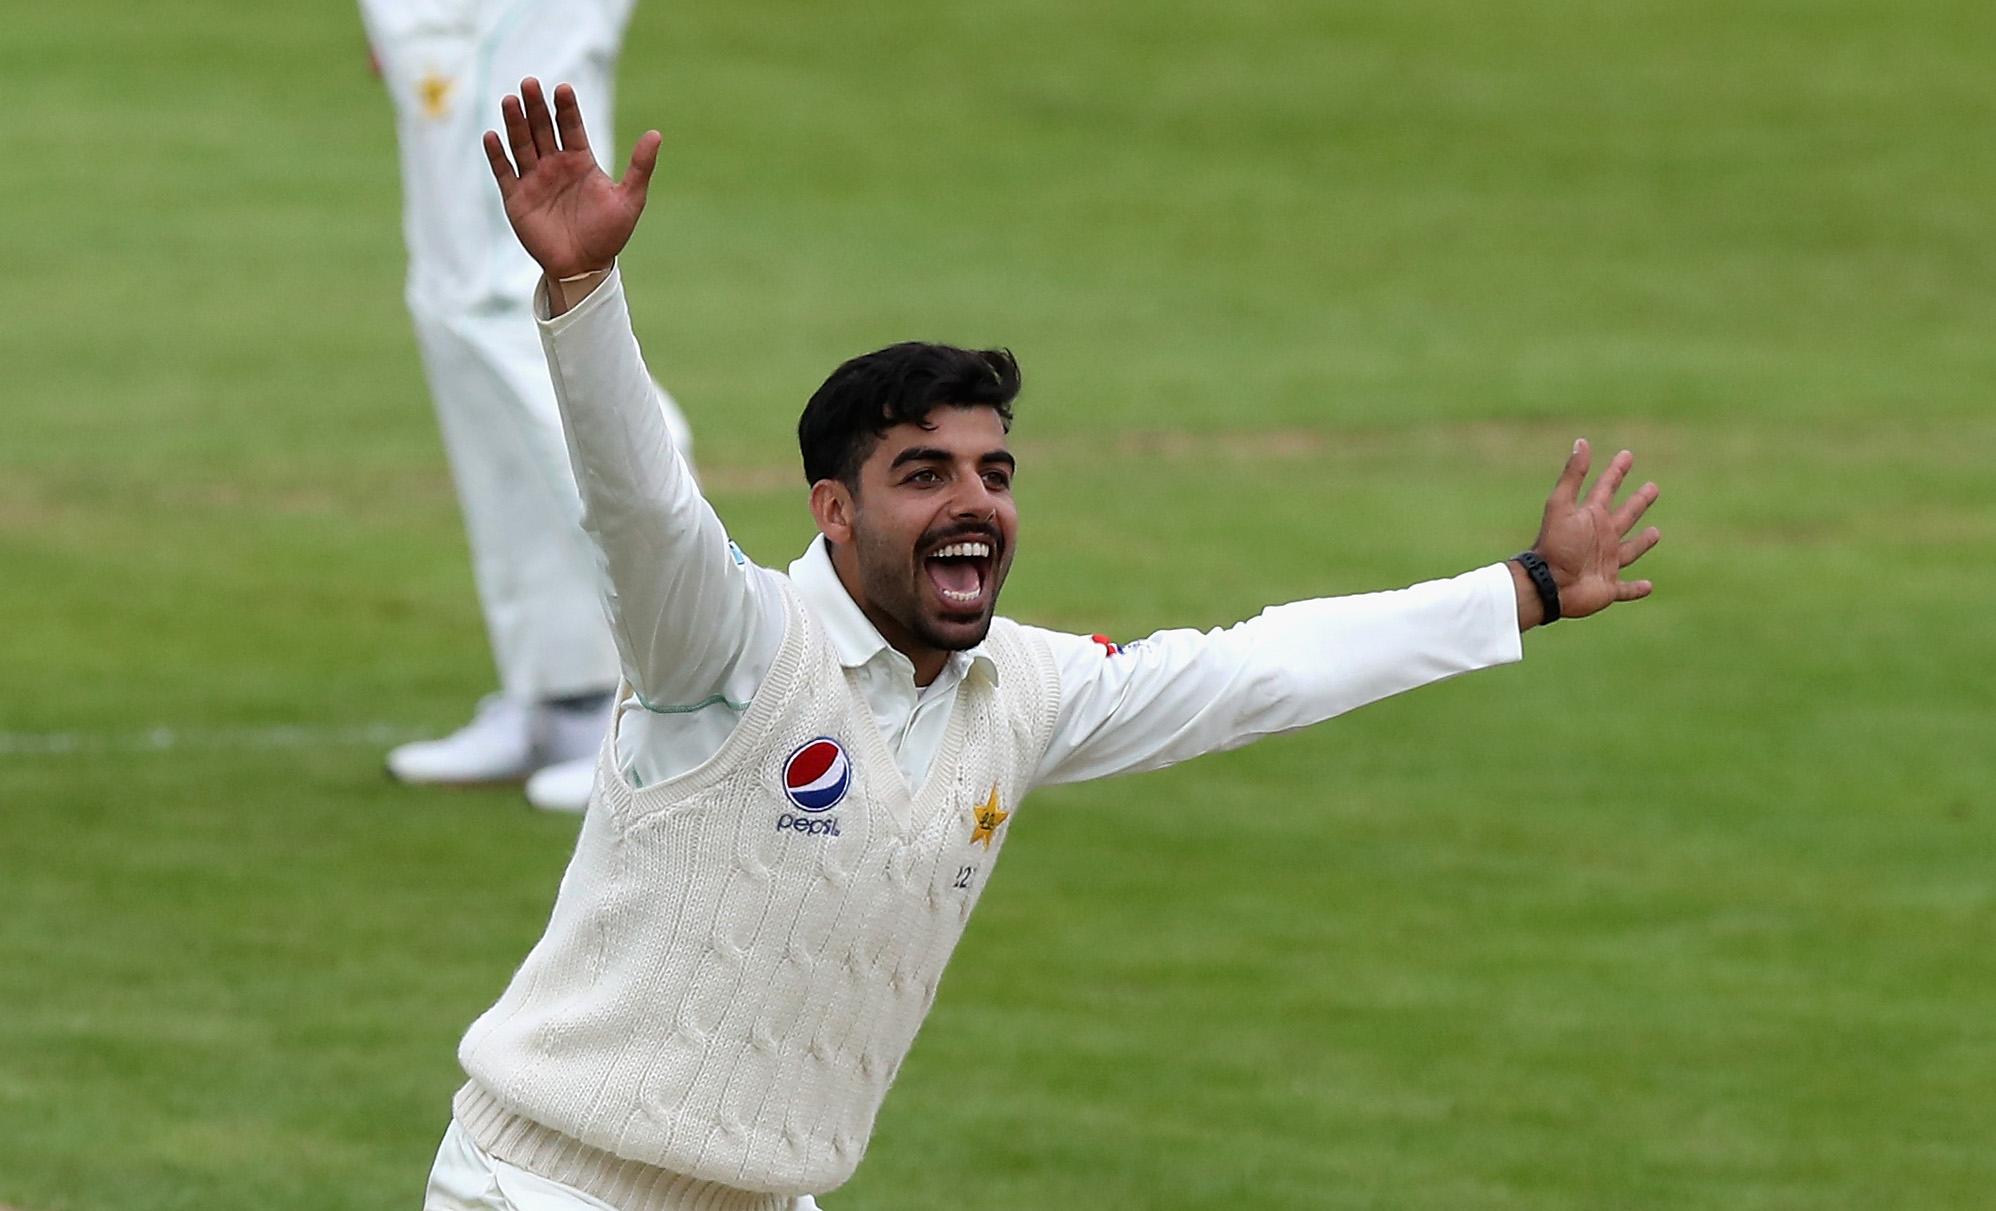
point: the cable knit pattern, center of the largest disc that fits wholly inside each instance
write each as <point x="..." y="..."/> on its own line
<point x="720" y="1000"/>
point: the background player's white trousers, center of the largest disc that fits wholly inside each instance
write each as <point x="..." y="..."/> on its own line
<point x="446" y="63"/>
<point x="467" y="1178"/>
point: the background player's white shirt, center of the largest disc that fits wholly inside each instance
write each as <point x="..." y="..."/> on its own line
<point x="697" y="624"/>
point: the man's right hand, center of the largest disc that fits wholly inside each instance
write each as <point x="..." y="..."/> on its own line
<point x="567" y="212"/>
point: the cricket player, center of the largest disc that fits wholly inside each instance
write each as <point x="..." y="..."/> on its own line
<point x="445" y="65"/>
<point x="812" y="773"/>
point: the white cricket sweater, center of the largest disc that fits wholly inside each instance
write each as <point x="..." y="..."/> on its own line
<point x="729" y="983"/>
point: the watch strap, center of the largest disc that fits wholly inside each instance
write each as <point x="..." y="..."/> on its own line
<point x="1535" y="567"/>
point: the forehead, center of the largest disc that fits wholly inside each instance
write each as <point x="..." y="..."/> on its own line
<point x="961" y="432"/>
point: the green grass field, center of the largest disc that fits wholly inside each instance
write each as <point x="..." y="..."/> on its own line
<point x="1694" y="909"/>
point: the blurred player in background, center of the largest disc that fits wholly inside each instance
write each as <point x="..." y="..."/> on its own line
<point x="446" y="64"/>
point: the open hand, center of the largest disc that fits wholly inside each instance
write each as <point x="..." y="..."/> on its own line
<point x="1584" y="540"/>
<point x="569" y="215"/>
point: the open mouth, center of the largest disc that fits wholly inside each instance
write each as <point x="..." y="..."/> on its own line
<point x="961" y="572"/>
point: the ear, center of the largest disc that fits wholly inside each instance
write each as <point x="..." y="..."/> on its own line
<point x="833" y="508"/>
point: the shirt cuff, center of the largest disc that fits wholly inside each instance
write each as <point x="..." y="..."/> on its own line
<point x="613" y="282"/>
<point x="1499" y="593"/>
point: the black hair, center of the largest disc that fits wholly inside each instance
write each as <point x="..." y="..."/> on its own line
<point x="900" y="384"/>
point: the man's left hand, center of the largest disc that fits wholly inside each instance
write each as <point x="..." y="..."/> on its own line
<point x="1585" y="541"/>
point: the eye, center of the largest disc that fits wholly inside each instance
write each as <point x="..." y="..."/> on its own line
<point x="997" y="480"/>
<point x="923" y="476"/>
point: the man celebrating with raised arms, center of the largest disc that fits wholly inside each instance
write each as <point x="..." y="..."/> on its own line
<point x="812" y="773"/>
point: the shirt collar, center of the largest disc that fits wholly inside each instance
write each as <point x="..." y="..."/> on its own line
<point x="854" y="638"/>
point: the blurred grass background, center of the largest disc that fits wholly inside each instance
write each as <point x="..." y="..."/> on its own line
<point x="1693" y="909"/>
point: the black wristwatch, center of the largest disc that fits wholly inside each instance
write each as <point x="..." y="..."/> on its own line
<point x="1541" y="575"/>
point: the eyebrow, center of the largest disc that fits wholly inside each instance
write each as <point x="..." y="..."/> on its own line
<point x="936" y="454"/>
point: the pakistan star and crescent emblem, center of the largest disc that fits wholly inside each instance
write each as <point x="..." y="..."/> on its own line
<point x="989" y="817"/>
<point x="434" y="91"/>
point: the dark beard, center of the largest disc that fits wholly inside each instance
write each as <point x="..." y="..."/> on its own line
<point x="929" y="638"/>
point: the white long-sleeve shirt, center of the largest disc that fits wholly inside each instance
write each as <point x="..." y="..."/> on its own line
<point x="697" y="623"/>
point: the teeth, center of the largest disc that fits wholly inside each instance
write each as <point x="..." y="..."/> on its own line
<point x="963" y="549"/>
<point x="972" y="596"/>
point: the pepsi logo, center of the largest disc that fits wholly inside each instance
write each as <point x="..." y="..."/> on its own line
<point x="817" y="775"/>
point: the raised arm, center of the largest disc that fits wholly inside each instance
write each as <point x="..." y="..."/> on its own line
<point x="1178" y="694"/>
<point x="685" y="611"/>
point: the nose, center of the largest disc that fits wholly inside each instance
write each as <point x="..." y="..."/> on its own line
<point x="975" y="502"/>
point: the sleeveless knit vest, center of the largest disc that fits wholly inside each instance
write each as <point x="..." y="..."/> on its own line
<point x="734" y="970"/>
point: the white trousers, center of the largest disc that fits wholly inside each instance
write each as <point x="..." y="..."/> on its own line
<point x="468" y="1178"/>
<point x="446" y="63"/>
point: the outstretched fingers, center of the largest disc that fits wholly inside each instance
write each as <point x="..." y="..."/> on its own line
<point x="1611" y="479"/>
<point x="1634" y="507"/>
<point x="1637" y="547"/>
<point x="518" y="137"/>
<point x="568" y="119"/>
<point x="1632" y="590"/>
<point x="540" y="121"/>
<point x="502" y="168"/>
<point x="644" y="158"/>
<point x="534" y="131"/>
<point x="1573" y="474"/>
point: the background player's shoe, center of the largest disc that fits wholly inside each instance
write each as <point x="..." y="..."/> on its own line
<point x="506" y="741"/>
<point x="563" y="787"/>
<point x="496" y="746"/>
